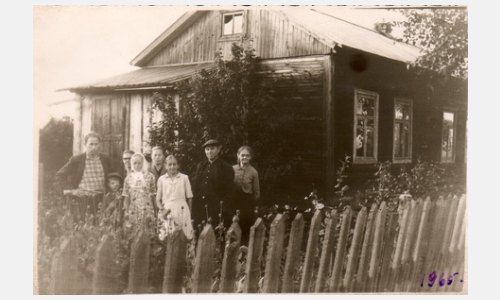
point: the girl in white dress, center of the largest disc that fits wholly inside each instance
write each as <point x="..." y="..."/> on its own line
<point x="174" y="197"/>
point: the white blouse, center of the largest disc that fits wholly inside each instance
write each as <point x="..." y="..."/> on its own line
<point x="173" y="188"/>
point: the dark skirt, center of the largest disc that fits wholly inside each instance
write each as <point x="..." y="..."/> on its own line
<point x="245" y="203"/>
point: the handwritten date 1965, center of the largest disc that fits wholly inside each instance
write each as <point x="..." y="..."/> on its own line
<point x="432" y="277"/>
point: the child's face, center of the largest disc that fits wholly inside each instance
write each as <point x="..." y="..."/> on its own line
<point x="113" y="184"/>
<point x="172" y="166"/>
<point x="137" y="164"/>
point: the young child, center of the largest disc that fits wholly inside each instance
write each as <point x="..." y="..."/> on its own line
<point x="139" y="192"/>
<point x="112" y="204"/>
<point x="173" y="197"/>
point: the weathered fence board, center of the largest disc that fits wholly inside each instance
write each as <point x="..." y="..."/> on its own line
<point x="411" y="229"/>
<point x="360" y="283"/>
<point x="353" y="255"/>
<point x="204" y="262"/>
<point x="104" y="280"/>
<point x="387" y="250"/>
<point x="175" y="262"/>
<point x="335" y="280"/>
<point x="254" y="256"/>
<point x="293" y="254"/>
<point x="374" y="263"/>
<point x="230" y="260"/>
<point x="395" y="267"/>
<point x="448" y="233"/>
<point x="450" y="265"/>
<point x="64" y="270"/>
<point x="312" y="245"/>
<point x="416" y="257"/>
<point x="435" y="238"/>
<point x="274" y="254"/>
<point x="138" y="280"/>
<point x="326" y="252"/>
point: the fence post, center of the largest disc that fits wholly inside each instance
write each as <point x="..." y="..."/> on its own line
<point x="312" y="244"/>
<point x="230" y="260"/>
<point x="274" y="254"/>
<point x="254" y="256"/>
<point x="387" y="250"/>
<point x="360" y="283"/>
<point x="353" y="254"/>
<point x="404" y="212"/>
<point x="448" y="232"/>
<point x="459" y="260"/>
<point x="405" y="265"/>
<point x="138" y="276"/>
<point x="421" y="235"/>
<point x="335" y="282"/>
<point x="374" y="263"/>
<point x="63" y="272"/>
<point x="293" y="254"/>
<point x="326" y="252"/>
<point x="104" y="279"/>
<point x="453" y="256"/>
<point x="175" y="262"/>
<point x="204" y="262"/>
<point x="435" y="237"/>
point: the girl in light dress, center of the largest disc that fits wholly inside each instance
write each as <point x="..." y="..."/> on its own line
<point x="139" y="191"/>
<point x="173" y="197"/>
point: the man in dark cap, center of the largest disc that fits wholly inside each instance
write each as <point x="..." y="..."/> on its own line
<point x="212" y="183"/>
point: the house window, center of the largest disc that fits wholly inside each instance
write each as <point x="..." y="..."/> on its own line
<point x="232" y="23"/>
<point x="448" y="137"/>
<point x="365" y="126"/>
<point x="403" y="115"/>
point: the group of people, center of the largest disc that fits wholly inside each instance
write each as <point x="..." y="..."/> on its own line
<point x="148" y="194"/>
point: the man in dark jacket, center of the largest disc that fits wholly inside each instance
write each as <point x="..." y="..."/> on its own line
<point x="83" y="176"/>
<point x="213" y="183"/>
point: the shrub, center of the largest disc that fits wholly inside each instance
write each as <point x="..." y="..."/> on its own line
<point x="229" y="102"/>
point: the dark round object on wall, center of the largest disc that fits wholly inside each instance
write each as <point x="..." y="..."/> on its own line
<point x="358" y="62"/>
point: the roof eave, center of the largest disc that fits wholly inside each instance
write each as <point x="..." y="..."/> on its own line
<point x="185" y="20"/>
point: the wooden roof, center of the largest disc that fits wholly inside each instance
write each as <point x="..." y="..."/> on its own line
<point x="330" y="30"/>
<point x="149" y="77"/>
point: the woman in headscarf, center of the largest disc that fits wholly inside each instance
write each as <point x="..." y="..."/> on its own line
<point x="139" y="190"/>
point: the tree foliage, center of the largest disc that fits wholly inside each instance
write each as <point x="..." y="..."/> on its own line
<point x="232" y="103"/>
<point x="442" y="35"/>
<point x="56" y="143"/>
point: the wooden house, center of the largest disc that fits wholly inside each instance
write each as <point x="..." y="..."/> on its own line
<point x="355" y="93"/>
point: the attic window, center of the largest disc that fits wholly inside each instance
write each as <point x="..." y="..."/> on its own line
<point x="232" y="23"/>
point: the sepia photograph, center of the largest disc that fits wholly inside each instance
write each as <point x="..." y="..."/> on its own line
<point x="250" y="149"/>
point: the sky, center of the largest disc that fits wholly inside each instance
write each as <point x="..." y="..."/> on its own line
<point x="74" y="45"/>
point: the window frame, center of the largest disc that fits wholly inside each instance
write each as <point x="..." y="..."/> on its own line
<point x="454" y="149"/>
<point x="233" y="13"/>
<point x="408" y="159"/>
<point x="355" y="158"/>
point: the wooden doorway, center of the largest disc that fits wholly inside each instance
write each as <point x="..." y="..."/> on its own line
<point x="108" y="119"/>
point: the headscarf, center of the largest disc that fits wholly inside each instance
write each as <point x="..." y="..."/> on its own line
<point x="138" y="175"/>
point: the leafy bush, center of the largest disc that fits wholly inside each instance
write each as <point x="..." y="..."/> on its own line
<point x="232" y="103"/>
<point x="56" y="143"/>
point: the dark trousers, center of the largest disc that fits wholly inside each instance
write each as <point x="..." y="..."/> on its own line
<point x="213" y="210"/>
<point x="245" y="203"/>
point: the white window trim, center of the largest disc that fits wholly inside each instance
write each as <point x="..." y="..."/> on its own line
<point x="454" y="112"/>
<point x="364" y="160"/>
<point x="240" y="12"/>
<point x="410" y="145"/>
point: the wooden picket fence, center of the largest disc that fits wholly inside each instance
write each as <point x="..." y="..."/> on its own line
<point x="419" y="248"/>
